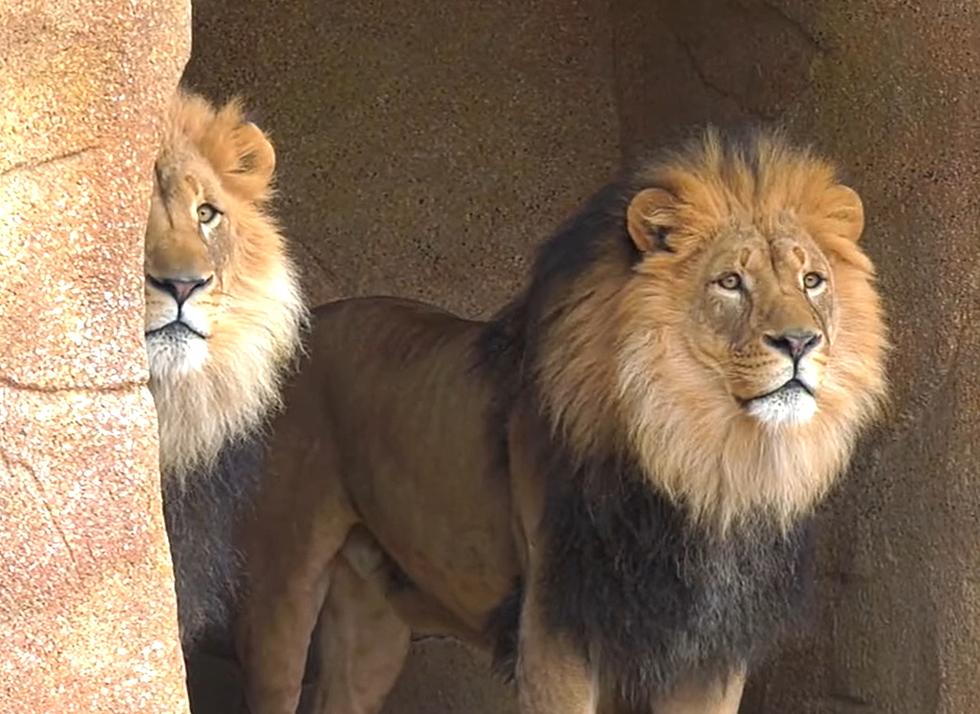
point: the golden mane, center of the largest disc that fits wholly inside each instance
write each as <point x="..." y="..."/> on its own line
<point x="256" y="305"/>
<point x="607" y="350"/>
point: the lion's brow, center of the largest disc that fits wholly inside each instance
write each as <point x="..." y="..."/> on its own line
<point x="163" y="195"/>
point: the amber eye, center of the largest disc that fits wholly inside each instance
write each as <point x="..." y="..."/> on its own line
<point x="812" y="281"/>
<point x="731" y="281"/>
<point x="206" y="213"/>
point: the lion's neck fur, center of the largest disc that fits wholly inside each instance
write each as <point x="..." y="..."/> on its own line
<point x="652" y="596"/>
<point x="202" y="514"/>
<point x="202" y="412"/>
<point x="723" y="465"/>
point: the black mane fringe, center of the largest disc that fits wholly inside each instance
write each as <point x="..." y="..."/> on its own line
<point x="201" y="517"/>
<point x="652" y="597"/>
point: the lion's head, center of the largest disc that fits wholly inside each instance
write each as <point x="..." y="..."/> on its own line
<point x="715" y="316"/>
<point x="223" y="309"/>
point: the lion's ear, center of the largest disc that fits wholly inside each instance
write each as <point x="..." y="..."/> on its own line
<point x="649" y="218"/>
<point x="255" y="161"/>
<point x="842" y="207"/>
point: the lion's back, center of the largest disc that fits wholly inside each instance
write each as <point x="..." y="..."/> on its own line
<point x="369" y="340"/>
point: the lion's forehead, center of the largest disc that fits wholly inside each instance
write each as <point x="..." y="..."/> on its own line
<point x="754" y="247"/>
<point x="173" y="220"/>
<point x="184" y="180"/>
<point x="185" y="177"/>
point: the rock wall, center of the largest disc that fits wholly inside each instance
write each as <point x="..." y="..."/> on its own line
<point x="86" y="593"/>
<point x="426" y="147"/>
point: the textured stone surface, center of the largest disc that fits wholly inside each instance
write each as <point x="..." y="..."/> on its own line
<point x="85" y="604"/>
<point x="86" y="589"/>
<point x="424" y="149"/>
<point x="78" y="87"/>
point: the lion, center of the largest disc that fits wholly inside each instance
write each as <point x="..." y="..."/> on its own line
<point x="610" y="482"/>
<point x="222" y="322"/>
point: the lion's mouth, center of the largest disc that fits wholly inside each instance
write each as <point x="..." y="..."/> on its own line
<point x="176" y="329"/>
<point x="793" y="402"/>
<point x="793" y="385"/>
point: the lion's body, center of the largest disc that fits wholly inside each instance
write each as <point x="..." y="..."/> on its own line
<point x="457" y="537"/>
<point x="223" y="315"/>
<point x="421" y="426"/>
<point x="612" y="478"/>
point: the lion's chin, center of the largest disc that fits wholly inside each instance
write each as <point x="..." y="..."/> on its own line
<point x="175" y="353"/>
<point x="789" y="405"/>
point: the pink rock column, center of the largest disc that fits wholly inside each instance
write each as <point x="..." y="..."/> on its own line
<point x="87" y="611"/>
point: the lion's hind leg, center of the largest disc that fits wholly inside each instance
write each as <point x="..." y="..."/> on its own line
<point x="362" y="642"/>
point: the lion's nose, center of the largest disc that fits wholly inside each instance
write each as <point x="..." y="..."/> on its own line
<point x="794" y="343"/>
<point x="181" y="289"/>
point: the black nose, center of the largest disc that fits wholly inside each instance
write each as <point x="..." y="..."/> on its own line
<point x="180" y="289"/>
<point x="794" y="343"/>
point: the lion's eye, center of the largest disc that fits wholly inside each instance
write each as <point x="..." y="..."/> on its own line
<point x="730" y="281"/>
<point x="812" y="281"/>
<point x="206" y="213"/>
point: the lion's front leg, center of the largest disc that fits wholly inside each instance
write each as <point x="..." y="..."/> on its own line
<point x="553" y="677"/>
<point x="290" y="550"/>
<point x="275" y="625"/>
<point x="714" y="697"/>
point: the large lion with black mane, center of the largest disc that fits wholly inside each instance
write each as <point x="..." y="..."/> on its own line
<point x="223" y="317"/>
<point x="609" y="483"/>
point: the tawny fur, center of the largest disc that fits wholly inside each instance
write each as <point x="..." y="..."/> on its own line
<point x="255" y="309"/>
<point x="217" y="358"/>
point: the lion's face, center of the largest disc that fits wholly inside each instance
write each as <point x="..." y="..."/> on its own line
<point x="751" y="297"/>
<point x="187" y="239"/>
<point x="222" y="305"/>
<point x="762" y="317"/>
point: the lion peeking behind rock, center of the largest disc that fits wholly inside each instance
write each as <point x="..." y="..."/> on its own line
<point x="223" y="316"/>
<point x="609" y="483"/>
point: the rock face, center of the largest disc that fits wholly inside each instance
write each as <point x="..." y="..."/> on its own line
<point x="425" y="149"/>
<point x="86" y="592"/>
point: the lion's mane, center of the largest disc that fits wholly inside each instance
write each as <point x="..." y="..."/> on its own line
<point x="675" y="530"/>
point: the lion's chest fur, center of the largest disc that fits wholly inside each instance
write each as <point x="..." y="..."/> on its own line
<point x="651" y="598"/>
